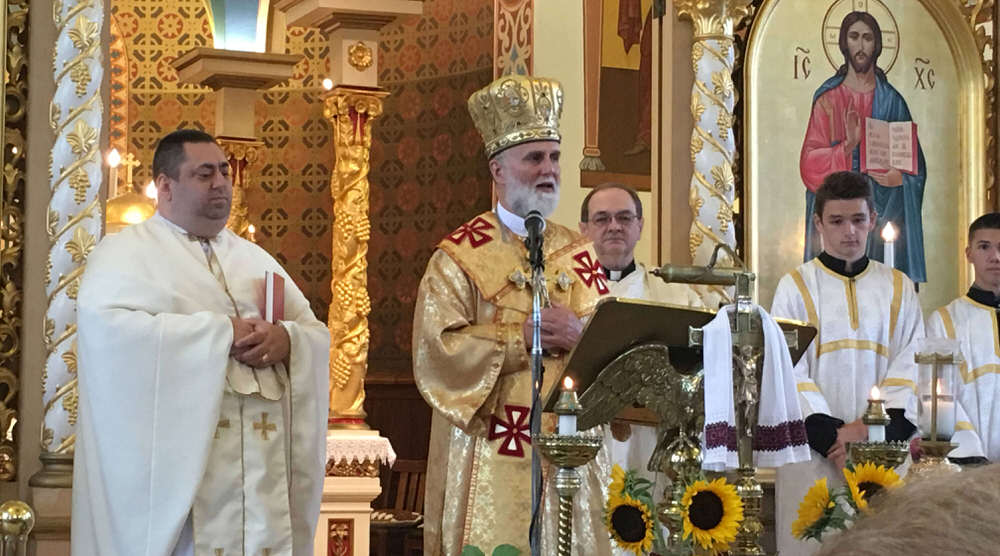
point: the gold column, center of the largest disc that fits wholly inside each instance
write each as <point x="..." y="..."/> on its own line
<point x="350" y="112"/>
<point x="713" y="148"/>
<point x="242" y="155"/>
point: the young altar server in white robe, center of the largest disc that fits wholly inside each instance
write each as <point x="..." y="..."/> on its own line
<point x="202" y="426"/>
<point x="972" y="321"/>
<point x="868" y="317"/>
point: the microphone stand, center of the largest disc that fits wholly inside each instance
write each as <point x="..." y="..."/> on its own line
<point x="535" y="258"/>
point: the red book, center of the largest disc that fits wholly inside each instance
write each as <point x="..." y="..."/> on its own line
<point x="887" y="145"/>
<point x="274" y="297"/>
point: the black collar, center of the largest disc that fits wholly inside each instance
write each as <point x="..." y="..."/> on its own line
<point x="621" y="274"/>
<point x="984" y="297"/>
<point x="840" y="266"/>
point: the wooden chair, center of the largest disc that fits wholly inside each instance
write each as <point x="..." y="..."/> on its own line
<point x="402" y="495"/>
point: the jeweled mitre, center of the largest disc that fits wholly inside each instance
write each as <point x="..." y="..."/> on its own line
<point x="517" y="109"/>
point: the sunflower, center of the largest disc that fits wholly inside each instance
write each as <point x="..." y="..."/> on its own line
<point x="812" y="508"/>
<point x="869" y="480"/>
<point x="617" y="486"/>
<point x="712" y="513"/>
<point x="631" y="524"/>
<point x="858" y="497"/>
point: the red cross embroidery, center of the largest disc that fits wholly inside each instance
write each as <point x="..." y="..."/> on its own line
<point x="514" y="431"/>
<point x="475" y="231"/>
<point x="591" y="272"/>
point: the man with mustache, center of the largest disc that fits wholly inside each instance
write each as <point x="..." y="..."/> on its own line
<point x="869" y="323"/>
<point x="472" y="335"/>
<point x="202" y="425"/>
<point x="832" y="143"/>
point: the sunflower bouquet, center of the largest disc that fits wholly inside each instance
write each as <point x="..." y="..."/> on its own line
<point x="712" y="512"/>
<point x="824" y="510"/>
<point x="628" y="512"/>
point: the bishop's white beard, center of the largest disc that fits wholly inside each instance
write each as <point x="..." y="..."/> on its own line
<point x="525" y="198"/>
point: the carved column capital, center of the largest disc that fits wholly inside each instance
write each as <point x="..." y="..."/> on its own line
<point x="242" y="154"/>
<point x="713" y="18"/>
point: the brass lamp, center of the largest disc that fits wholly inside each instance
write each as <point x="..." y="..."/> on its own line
<point x="127" y="209"/>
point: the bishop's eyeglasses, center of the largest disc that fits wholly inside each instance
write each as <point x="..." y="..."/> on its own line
<point x="603" y="219"/>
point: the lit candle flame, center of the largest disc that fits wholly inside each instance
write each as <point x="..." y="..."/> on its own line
<point x="251" y="229"/>
<point x="114" y="159"/>
<point x="133" y="215"/>
<point x="150" y="190"/>
<point x="874" y="393"/>
<point x="940" y="387"/>
<point x="328" y="83"/>
<point x="889" y="232"/>
<point x="567" y="383"/>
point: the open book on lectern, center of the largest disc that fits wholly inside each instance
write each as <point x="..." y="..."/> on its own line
<point x="634" y="351"/>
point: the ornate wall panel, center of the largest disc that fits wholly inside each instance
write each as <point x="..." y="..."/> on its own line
<point x="513" y="37"/>
<point x="12" y="230"/>
<point x="428" y="168"/>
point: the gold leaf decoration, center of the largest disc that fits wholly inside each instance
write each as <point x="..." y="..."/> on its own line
<point x="69" y="358"/>
<point x="70" y="403"/>
<point x="54" y="112"/>
<point x="725" y="123"/>
<point x="80" y="182"/>
<point x="723" y="177"/>
<point x="722" y="83"/>
<point x="725" y="216"/>
<point x="53" y="224"/>
<point x="81" y="245"/>
<point x="73" y="289"/>
<point x="697" y="108"/>
<point x="694" y="241"/>
<point x="82" y="138"/>
<point x="50" y="330"/>
<point x="47" y="436"/>
<point x="84" y="34"/>
<point x="11" y="298"/>
<point x="695" y="201"/>
<point x="697" y="143"/>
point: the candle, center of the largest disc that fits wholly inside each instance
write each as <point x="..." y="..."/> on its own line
<point x="876" y="432"/>
<point x="567" y="421"/>
<point x="114" y="159"/>
<point x="250" y="232"/>
<point x="889" y="251"/>
<point x="150" y="190"/>
<point x="945" y="414"/>
<point x="328" y="84"/>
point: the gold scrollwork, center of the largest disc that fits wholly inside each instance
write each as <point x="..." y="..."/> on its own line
<point x="360" y="56"/>
<point x="715" y="18"/>
<point x="13" y="110"/>
<point x="353" y="468"/>
<point x="242" y="155"/>
<point x="350" y="112"/>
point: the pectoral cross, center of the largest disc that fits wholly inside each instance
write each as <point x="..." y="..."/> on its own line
<point x="129" y="162"/>
<point x="223" y="424"/>
<point x="263" y="426"/>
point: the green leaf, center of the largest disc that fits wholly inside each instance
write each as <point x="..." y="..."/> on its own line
<point x="506" y="550"/>
<point x="469" y="550"/>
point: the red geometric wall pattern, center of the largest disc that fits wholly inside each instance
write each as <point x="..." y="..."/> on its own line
<point x="429" y="172"/>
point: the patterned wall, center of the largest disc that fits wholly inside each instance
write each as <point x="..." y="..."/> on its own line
<point x="428" y="169"/>
<point x="288" y="199"/>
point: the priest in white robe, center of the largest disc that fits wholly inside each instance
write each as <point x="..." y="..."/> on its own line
<point x="202" y="426"/>
<point x="868" y="317"/>
<point x="611" y="217"/>
<point x="971" y="320"/>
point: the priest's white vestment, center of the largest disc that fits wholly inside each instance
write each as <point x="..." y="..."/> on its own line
<point x="867" y="325"/>
<point x="974" y="326"/>
<point x="175" y="434"/>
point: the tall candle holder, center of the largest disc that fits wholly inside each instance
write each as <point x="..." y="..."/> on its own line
<point x="567" y="452"/>
<point x="940" y="425"/>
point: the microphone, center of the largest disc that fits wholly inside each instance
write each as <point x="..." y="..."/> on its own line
<point x="535" y="224"/>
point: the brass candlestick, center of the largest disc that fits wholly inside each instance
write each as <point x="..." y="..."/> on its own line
<point x="888" y="454"/>
<point x="567" y="452"/>
<point x="934" y="451"/>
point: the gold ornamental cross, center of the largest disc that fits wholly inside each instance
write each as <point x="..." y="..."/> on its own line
<point x="263" y="426"/>
<point x="129" y="161"/>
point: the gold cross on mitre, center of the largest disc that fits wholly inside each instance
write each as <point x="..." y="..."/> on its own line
<point x="129" y="162"/>
<point x="263" y="426"/>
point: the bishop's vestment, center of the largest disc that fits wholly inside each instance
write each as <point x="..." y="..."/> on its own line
<point x="180" y="448"/>
<point x="471" y="364"/>
<point x="867" y="325"/>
